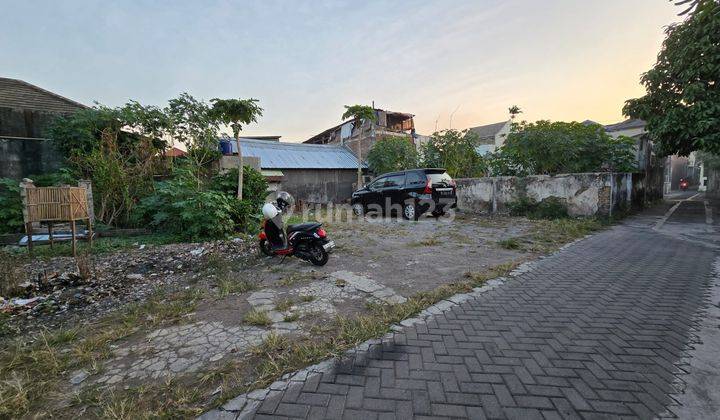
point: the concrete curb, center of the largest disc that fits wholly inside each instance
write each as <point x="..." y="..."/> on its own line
<point x="244" y="406"/>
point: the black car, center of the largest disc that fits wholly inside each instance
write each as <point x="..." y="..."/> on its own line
<point x="412" y="193"/>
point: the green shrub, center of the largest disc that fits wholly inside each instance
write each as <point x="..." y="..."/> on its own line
<point x="11" y="218"/>
<point x="549" y="208"/>
<point x="196" y="209"/>
<point x="254" y="184"/>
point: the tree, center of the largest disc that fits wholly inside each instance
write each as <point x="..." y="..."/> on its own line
<point x="514" y="111"/>
<point x="236" y="112"/>
<point x="360" y="114"/>
<point x="193" y="123"/>
<point x="118" y="149"/>
<point x="392" y="153"/>
<point x="548" y="148"/>
<point x="455" y="151"/>
<point x="682" y="103"/>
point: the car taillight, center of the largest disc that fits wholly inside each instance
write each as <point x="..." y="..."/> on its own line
<point x="262" y="235"/>
<point x="321" y="233"/>
<point x="428" y="187"/>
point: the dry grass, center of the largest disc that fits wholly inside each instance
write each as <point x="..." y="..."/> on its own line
<point x="34" y="369"/>
<point x="259" y="318"/>
<point x="284" y="304"/>
<point x="11" y="274"/>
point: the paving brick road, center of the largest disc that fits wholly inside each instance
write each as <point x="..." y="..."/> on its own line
<point x="595" y="331"/>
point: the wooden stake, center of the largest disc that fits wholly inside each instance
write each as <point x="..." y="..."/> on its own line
<point x="73" y="230"/>
<point x="29" y="231"/>
<point x="90" y="232"/>
<point x="50" y="233"/>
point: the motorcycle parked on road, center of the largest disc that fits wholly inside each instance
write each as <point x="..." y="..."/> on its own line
<point x="307" y="241"/>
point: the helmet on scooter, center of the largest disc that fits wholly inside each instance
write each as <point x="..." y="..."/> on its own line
<point x="269" y="211"/>
<point x="284" y="200"/>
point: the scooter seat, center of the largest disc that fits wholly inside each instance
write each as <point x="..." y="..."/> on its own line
<point x="302" y="227"/>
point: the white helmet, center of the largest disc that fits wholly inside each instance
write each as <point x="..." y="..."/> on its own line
<point x="269" y="211"/>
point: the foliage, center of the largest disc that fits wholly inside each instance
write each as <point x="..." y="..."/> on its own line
<point x="455" y="151"/>
<point x="192" y="210"/>
<point x="64" y="176"/>
<point x="392" y="153"/>
<point x="254" y="184"/>
<point x="359" y="112"/>
<point x="709" y="160"/>
<point x="549" y="208"/>
<point x="547" y="148"/>
<point x="11" y="218"/>
<point x="119" y="178"/>
<point x="682" y="103"/>
<point x="236" y="112"/>
<point x="118" y="149"/>
<point x="194" y="124"/>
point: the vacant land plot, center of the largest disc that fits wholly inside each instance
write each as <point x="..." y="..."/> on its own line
<point x="217" y="319"/>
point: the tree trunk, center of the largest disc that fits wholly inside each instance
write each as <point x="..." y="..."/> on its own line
<point x="240" y="166"/>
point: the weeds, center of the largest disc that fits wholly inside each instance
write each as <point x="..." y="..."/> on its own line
<point x="285" y="304"/>
<point x="307" y="298"/>
<point x="228" y="286"/>
<point x="291" y="317"/>
<point x="32" y="368"/>
<point x="510" y="243"/>
<point x="297" y="278"/>
<point x="426" y="242"/>
<point x="11" y="274"/>
<point x="259" y="318"/>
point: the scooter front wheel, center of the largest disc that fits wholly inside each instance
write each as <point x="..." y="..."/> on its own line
<point x="318" y="254"/>
<point x="265" y="248"/>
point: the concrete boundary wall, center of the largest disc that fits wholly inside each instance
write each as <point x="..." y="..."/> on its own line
<point x="585" y="194"/>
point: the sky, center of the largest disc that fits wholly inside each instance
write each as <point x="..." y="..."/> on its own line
<point x="454" y="64"/>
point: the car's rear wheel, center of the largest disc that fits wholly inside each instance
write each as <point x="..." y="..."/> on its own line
<point x="358" y="209"/>
<point x="410" y="211"/>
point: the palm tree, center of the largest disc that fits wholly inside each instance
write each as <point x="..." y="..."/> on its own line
<point x="236" y="112"/>
<point x="360" y="114"/>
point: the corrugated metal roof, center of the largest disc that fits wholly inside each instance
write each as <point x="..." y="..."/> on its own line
<point x="285" y="155"/>
<point x="625" y="125"/>
<point x="490" y="130"/>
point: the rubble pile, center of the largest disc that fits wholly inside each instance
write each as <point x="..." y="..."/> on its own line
<point x="58" y="288"/>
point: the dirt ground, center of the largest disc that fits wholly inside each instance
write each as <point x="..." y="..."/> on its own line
<point x="242" y="298"/>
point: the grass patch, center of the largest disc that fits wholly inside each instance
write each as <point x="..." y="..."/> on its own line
<point x="294" y="278"/>
<point x="510" y="243"/>
<point x="291" y="317"/>
<point x="11" y="274"/>
<point x="259" y="318"/>
<point x="426" y="242"/>
<point x="307" y="298"/>
<point x="103" y="245"/>
<point x="33" y="368"/>
<point x="548" y="235"/>
<point x="285" y="304"/>
<point x="228" y="286"/>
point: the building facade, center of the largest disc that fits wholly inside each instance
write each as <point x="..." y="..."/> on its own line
<point x="26" y="114"/>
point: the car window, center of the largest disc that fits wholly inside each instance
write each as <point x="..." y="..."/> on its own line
<point x="394" y="181"/>
<point x="378" y="183"/>
<point x="416" y="178"/>
<point x="440" y="178"/>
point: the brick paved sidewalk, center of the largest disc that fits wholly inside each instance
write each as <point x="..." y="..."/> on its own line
<point x="594" y="331"/>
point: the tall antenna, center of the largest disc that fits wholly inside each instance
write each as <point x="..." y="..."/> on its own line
<point x="453" y="113"/>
